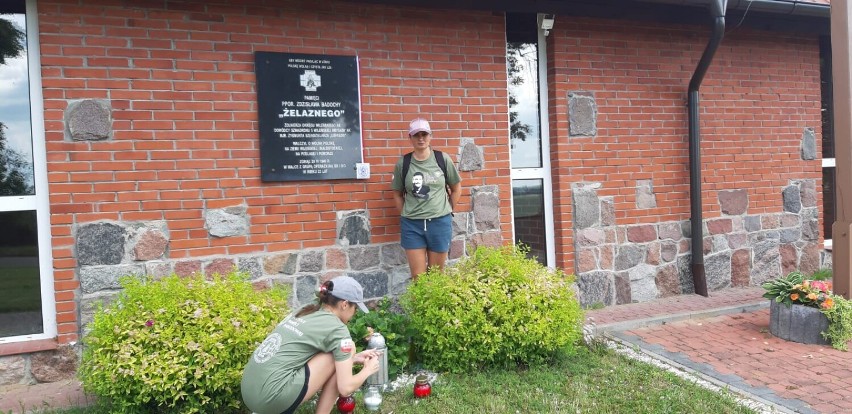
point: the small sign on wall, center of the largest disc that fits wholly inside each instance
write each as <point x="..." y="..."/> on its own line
<point x="309" y="116"/>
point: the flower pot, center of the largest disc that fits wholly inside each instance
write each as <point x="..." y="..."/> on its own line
<point x="797" y="323"/>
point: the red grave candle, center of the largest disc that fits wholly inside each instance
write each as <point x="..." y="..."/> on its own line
<point x="346" y="405"/>
<point x="422" y="388"/>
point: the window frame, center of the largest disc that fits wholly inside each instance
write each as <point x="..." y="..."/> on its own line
<point x="40" y="202"/>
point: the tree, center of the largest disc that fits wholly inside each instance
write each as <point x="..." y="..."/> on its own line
<point x="12" y="41"/>
<point x="517" y="129"/>
<point x="14" y="169"/>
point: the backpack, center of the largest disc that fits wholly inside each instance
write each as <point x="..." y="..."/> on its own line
<point x="439" y="158"/>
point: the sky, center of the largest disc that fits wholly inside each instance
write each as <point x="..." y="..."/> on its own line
<point x="15" y="99"/>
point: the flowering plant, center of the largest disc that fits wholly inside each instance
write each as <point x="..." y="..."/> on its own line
<point x="797" y="288"/>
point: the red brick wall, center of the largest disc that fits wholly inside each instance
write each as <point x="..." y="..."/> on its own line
<point x="182" y="88"/>
<point x="759" y="94"/>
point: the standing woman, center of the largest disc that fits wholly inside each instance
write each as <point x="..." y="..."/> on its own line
<point x="309" y="351"/>
<point x="426" y="224"/>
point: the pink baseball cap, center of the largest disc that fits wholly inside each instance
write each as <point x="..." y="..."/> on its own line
<point x="418" y="125"/>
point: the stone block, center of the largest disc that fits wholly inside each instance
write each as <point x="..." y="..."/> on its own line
<point x="88" y="120"/>
<point x="486" y="208"/>
<point x="336" y="259"/>
<point x="643" y="285"/>
<point x="719" y="226"/>
<point x="733" y="202"/>
<point x="361" y="258"/>
<point x="312" y="261"/>
<point x="808" y="145"/>
<point x="596" y="288"/>
<point x="645" y="197"/>
<point x="54" y="365"/>
<point x="582" y="114"/>
<point x="717" y="269"/>
<point x="220" y="266"/>
<point x="628" y="256"/>
<point x="471" y="158"/>
<point x="353" y="228"/>
<point x="150" y="245"/>
<point x="229" y="221"/>
<point x="95" y="278"/>
<point x="792" y="198"/>
<point x="667" y="281"/>
<point x="587" y="207"/>
<point x="12" y="369"/>
<point x="100" y="244"/>
<point x="623" y="295"/>
<point x="741" y="268"/>
<point x="642" y="233"/>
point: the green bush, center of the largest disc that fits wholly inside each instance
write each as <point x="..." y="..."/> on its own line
<point x="393" y="325"/>
<point x="495" y="306"/>
<point x="177" y="344"/>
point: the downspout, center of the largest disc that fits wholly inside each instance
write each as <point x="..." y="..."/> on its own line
<point x="699" y="279"/>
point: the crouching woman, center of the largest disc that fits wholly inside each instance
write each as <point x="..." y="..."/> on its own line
<point x="307" y="352"/>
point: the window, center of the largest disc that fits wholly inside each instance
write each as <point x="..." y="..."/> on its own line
<point x="26" y="290"/>
<point x="532" y="205"/>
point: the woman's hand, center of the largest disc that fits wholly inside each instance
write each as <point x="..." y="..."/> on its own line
<point x="363" y="355"/>
<point x="371" y="364"/>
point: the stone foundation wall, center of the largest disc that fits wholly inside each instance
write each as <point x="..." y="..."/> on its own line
<point x="36" y="367"/>
<point x="109" y="250"/>
<point x="623" y="264"/>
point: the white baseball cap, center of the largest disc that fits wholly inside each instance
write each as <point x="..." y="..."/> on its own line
<point x="418" y="125"/>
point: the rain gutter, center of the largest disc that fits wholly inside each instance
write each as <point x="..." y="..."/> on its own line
<point x="699" y="278"/>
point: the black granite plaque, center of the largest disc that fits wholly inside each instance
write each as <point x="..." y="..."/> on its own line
<point x="309" y="115"/>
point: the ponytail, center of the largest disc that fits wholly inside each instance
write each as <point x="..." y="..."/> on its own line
<point x="324" y="297"/>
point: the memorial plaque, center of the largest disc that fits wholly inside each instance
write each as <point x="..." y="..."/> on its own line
<point x="309" y="115"/>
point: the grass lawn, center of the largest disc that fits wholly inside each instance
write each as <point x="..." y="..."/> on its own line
<point x="20" y="289"/>
<point x="594" y="381"/>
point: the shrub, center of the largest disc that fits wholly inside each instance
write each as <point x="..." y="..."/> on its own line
<point x="177" y="344"/>
<point x="394" y="326"/>
<point x="494" y="306"/>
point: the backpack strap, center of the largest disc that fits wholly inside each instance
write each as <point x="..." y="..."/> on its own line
<point x="442" y="164"/>
<point x="439" y="158"/>
<point x="406" y="164"/>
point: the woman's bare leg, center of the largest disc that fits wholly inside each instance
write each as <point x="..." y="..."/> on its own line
<point x="323" y="377"/>
<point x="437" y="259"/>
<point x="416" y="261"/>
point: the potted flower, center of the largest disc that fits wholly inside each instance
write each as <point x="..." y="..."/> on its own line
<point x="804" y="309"/>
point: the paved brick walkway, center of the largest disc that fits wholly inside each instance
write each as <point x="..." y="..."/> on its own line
<point x="25" y="398"/>
<point x="726" y="337"/>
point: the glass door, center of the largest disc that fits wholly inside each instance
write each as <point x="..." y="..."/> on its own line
<point x="26" y="290"/>
<point x="532" y="206"/>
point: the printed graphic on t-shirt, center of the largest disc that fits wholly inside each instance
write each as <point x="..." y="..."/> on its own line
<point x="347" y="346"/>
<point x="419" y="189"/>
<point x="268" y="348"/>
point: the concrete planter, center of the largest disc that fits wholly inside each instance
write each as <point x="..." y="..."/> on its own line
<point x="797" y="323"/>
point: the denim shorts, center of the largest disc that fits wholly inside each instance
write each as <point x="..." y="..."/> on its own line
<point x="432" y="234"/>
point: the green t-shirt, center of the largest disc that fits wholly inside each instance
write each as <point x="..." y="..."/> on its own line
<point x="425" y="193"/>
<point x="274" y="375"/>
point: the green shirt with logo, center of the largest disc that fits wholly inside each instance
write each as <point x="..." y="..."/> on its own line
<point x="425" y="192"/>
<point x="275" y="373"/>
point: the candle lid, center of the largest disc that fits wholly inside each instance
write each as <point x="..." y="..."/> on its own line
<point x="421" y="379"/>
